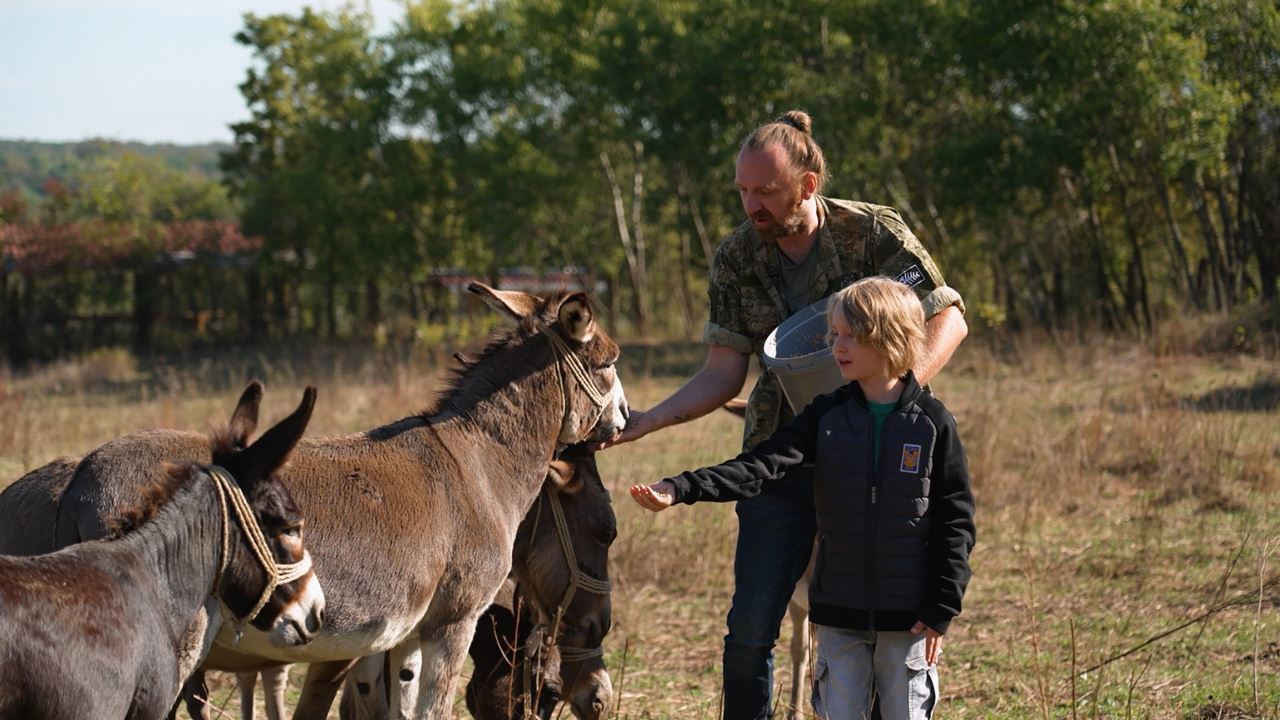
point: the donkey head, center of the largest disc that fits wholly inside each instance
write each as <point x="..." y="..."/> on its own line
<point x="594" y="405"/>
<point x="268" y="580"/>
<point x="547" y="578"/>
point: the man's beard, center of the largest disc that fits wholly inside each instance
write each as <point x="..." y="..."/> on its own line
<point x="789" y="225"/>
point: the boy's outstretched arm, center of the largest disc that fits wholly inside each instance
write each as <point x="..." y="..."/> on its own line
<point x="656" y="497"/>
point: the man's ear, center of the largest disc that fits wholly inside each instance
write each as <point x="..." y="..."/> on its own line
<point x="808" y="184"/>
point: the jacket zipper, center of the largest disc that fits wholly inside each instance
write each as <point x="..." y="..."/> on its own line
<point x="873" y="513"/>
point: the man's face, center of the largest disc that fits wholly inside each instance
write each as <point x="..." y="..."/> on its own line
<point x="771" y="192"/>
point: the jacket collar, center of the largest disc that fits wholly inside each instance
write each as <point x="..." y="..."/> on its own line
<point x="911" y="390"/>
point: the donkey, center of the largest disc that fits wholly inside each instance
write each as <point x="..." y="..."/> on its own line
<point x="411" y="524"/>
<point x="29" y="505"/>
<point x="560" y="559"/>
<point x="93" y="631"/>
<point x="540" y="558"/>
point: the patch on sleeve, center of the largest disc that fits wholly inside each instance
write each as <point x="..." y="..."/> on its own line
<point x="911" y="277"/>
<point x="910" y="459"/>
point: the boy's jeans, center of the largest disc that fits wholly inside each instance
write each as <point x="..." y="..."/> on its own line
<point x="856" y="667"/>
<point x="775" y="539"/>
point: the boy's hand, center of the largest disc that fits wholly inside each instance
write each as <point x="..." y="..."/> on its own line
<point x="656" y="497"/>
<point x="932" y="641"/>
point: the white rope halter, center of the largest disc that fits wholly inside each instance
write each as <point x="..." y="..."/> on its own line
<point x="567" y="359"/>
<point x="277" y="574"/>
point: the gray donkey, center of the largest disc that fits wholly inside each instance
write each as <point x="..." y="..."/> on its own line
<point x="93" y="631"/>
<point x="411" y="524"/>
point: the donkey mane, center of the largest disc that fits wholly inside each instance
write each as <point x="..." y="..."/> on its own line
<point x="454" y="393"/>
<point x="222" y="441"/>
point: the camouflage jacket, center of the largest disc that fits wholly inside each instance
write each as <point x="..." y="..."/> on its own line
<point x="856" y="240"/>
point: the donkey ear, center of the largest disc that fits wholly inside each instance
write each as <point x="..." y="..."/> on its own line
<point x="245" y="418"/>
<point x="265" y="456"/>
<point x="516" y="304"/>
<point x="562" y="477"/>
<point x="576" y="317"/>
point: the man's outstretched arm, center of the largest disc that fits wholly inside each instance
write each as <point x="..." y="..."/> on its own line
<point x="720" y="380"/>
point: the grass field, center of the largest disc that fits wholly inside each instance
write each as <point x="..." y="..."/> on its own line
<point x="1128" y="525"/>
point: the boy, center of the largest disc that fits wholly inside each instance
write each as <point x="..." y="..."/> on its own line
<point x="894" y="509"/>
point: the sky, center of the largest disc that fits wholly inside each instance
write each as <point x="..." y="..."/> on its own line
<point x="157" y="71"/>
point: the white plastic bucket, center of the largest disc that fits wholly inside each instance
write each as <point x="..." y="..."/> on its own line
<point x="797" y="353"/>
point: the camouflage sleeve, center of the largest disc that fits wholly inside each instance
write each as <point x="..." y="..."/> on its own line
<point x="896" y="253"/>
<point x="726" y="326"/>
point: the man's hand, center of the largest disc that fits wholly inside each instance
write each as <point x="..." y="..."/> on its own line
<point x="932" y="639"/>
<point x="656" y="497"/>
<point x="639" y="424"/>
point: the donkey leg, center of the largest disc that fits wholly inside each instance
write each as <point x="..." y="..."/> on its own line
<point x="322" y="683"/>
<point x="364" y="695"/>
<point x="195" y="696"/>
<point x="444" y="651"/>
<point x="246" y="682"/>
<point x="274" y="682"/>
<point x="406" y="678"/>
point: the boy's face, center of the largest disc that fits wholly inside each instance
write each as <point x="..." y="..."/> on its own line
<point x="857" y="361"/>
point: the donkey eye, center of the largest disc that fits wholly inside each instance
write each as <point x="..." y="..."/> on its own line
<point x="293" y="532"/>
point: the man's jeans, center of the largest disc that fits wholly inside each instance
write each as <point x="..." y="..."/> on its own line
<point x="775" y="539"/>
<point x="858" y="667"/>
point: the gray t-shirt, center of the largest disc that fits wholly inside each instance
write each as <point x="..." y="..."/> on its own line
<point x="798" y="279"/>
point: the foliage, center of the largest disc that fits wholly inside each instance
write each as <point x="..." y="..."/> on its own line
<point x="1072" y="165"/>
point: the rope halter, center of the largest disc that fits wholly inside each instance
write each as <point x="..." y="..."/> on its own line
<point x="577" y="580"/>
<point x="567" y="359"/>
<point x="229" y="493"/>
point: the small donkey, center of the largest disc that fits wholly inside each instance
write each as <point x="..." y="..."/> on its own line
<point x="93" y="631"/>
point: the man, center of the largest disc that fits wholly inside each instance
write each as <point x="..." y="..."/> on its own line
<point x="796" y="248"/>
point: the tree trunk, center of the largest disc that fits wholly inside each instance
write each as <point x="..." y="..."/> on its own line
<point x="372" y="304"/>
<point x="1213" y="250"/>
<point x="1135" y="296"/>
<point x="1176" y="245"/>
<point x="255" y="310"/>
<point x="695" y="213"/>
<point x="632" y="250"/>
<point x="144" y="285"/>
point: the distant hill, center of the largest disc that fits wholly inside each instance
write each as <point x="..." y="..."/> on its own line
<point x="27" y="165"/>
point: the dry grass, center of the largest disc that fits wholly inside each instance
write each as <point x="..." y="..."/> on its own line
<point x="1121" y="492"/>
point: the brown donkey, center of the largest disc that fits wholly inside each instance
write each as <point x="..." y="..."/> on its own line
<point x="411" y="524"/>
<point x="562" y="565"/>
<point x="93" y="631"/>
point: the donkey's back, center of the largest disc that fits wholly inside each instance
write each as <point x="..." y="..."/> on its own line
<point x="111" y="477"/>
<point x="29" y="505"/>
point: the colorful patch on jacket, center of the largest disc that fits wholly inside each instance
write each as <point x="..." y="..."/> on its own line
<point x="910" y="459"/>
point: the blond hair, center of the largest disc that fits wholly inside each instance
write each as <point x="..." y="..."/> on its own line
<point x="883" y="314"/>
<point x="793" y="131"/>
